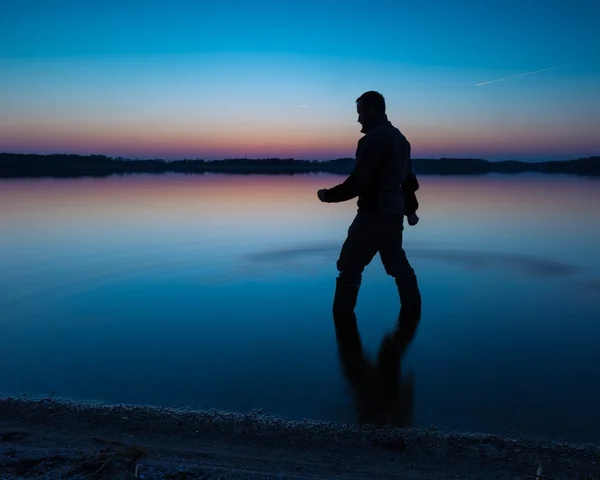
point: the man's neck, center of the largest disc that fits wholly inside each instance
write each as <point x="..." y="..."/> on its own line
<point x="367" y="127"/>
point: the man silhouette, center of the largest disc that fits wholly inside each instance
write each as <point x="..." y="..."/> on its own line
<point x="383" y="163"/>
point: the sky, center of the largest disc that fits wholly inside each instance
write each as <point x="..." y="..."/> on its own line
<point x="213" y="80"/>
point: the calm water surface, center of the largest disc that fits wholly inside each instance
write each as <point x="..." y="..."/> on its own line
<point x="214" y="291"/>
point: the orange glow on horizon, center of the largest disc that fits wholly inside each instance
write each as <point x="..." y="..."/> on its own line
<point x="179" y="139"/>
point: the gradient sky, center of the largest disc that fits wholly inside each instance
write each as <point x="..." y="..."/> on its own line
<point x="196" y="79"/>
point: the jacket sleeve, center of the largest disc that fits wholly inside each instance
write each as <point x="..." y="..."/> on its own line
<point x="411" y="183"/>
<point x="369" y="155"/>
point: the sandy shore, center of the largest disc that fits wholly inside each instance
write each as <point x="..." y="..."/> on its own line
<point x="51" y="439"/>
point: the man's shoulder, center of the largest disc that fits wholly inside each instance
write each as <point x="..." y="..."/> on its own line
<point x="387" y="131"/>
<point x="396" y="131"/>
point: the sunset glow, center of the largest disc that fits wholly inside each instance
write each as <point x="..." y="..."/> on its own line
<point x="192" y="80"/>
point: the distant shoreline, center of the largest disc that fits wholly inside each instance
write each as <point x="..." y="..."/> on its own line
<point x="70" y="165"/>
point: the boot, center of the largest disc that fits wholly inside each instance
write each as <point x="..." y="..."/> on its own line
<point x="410" y="313"/>
<point x="410" y="298"/>
<point x="344" y="300"/>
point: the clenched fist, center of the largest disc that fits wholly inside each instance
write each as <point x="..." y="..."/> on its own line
<point x="321" y="194"/>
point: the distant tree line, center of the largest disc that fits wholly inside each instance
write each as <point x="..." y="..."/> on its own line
<point x="68" y="165"/>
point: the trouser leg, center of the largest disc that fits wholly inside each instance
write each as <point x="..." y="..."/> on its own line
<point x="357" y="251"/>
<point x="397" y="265"/>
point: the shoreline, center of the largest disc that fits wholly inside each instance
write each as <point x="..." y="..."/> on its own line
<point x="56" y="438"/>
<point x="60" y="165"/>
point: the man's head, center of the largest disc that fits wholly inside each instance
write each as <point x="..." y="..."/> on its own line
<point x="370" y="107"/>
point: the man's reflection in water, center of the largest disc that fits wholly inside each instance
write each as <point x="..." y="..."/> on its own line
<point x="383" y="395"/>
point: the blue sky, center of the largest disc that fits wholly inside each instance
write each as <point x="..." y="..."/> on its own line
<point x="196" y="79"/>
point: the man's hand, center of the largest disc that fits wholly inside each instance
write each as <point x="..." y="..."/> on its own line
<point x="412" y="219"/>
<point x="321" y="194"/>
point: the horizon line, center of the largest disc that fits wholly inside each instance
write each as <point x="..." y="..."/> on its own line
<point x="121" y="158"/>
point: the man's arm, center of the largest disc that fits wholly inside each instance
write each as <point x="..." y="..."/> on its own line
<point x="368" y="158"/>
<point x="410" y="184"/>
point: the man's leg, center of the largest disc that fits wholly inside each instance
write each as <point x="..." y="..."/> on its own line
<point x="397" y="265"/>
<point x="358" y="250"/>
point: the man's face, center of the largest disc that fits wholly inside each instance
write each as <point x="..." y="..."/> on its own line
<point x="364" y="115"/>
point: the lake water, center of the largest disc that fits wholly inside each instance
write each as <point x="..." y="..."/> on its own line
<point x="214" y="291"/>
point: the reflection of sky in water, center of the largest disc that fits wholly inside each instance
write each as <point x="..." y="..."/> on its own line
<point x="215" y="291"/>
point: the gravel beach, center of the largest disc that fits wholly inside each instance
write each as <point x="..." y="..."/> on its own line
<point x="56" y="439"/>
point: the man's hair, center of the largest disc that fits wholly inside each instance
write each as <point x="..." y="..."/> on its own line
<point x="372" y="100"/>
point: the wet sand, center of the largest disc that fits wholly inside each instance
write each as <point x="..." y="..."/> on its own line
<point x="48" y="439"/>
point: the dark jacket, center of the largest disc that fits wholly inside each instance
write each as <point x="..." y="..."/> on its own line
<point x="409" y="187"/>
<point x="382" y="165"/>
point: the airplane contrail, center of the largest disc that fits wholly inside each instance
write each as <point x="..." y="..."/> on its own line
<point x="523" y="74"/>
